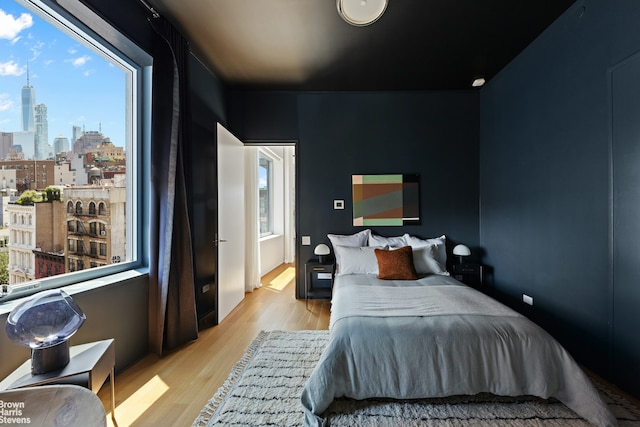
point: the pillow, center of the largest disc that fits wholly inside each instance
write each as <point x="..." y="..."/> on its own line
<point x="439" y="242"/>
<point x="354" y="260"/>
<point x="425" y="261"/>
<point x="396" y="264"/>
<point x="394" y="242"/>
<point x="359" y="239"/>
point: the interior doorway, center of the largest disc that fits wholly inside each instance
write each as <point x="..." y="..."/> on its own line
<point x="275" y="176"/>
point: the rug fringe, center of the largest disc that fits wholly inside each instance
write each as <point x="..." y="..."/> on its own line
<point x="205" y="414"/>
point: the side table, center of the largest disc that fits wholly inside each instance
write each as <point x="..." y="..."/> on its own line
<point x="314" y="270"/>
<point x="469" y="274"/>
<point x="89" y="366"/>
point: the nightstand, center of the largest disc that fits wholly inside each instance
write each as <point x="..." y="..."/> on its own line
<point x="469" y="274"/>
<point x="89" y="366"/>
<point x="318" y="279"/>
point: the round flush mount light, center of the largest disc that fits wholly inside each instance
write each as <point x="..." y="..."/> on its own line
<point x="361" y="12"/>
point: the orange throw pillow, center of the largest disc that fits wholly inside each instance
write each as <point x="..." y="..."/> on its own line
<point x="396" y="264"/>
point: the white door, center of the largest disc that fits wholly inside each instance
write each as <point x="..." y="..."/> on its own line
<point x="231" y="224"/>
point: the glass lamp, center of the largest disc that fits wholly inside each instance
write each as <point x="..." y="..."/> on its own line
<point x="461" y="251"/>
<point x="322" y="252"/>
<point x="44" y="323"/>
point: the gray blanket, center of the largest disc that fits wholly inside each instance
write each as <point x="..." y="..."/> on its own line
<point x="436" y="337"/>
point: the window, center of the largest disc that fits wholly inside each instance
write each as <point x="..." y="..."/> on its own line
<point x="98" y="89"/>
<point x="265" y="189"/>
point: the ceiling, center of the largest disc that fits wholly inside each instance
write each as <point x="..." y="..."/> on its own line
<point x="305" y="45"/>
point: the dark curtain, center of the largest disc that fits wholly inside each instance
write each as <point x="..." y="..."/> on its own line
<point x="172" y="307"/>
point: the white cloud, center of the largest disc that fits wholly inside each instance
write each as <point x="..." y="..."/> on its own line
<point x="5" y="102"/>
<point x="10" y="69"/>
<point x="80" y="61"/>
<point x="10" y="26"/>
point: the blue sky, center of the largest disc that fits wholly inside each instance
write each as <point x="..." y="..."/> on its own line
<point x="76" y="84"/>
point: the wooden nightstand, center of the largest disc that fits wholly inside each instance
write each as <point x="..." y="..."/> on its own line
<point x="469" y="274"/>
<point x="318" y="279"/>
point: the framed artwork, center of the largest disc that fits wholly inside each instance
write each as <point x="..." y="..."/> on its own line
<point x="386" y="199"/>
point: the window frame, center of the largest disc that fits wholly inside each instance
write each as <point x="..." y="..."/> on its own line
<point x="263" y="154"/>
<point x="88" y="28"/>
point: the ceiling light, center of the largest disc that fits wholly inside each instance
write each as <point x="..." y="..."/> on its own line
<point x="361" y="12"/>
<point x="478" y="82"/>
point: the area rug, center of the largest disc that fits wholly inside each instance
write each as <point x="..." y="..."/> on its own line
<point x="264" y="389"/>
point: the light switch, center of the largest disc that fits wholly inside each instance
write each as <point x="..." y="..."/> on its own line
<point x="306" y="240"/>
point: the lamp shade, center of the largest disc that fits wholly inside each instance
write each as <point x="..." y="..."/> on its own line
<point x="44" y="323"/>
<point x="322" y="251"/>
<point x="361" y="12"/>
<point x="461" y="250"/>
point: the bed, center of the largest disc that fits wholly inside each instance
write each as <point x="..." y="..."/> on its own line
<point x="433" y="336"/>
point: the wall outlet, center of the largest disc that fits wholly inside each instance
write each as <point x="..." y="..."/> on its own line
<point x="306" y="240"/>
<point x="527" y="299"/>
<point x="338" y="204"/>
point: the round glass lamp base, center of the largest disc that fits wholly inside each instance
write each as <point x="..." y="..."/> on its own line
<point x="50" y="359"/>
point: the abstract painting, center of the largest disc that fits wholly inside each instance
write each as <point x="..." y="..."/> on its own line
<point x="386" y="199"/>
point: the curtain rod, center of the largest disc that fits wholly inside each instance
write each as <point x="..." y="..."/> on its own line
<point x="150" y="8"/>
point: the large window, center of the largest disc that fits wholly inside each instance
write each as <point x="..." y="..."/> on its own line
<point x="265" y="188"/>
<point x="92" y="94"/>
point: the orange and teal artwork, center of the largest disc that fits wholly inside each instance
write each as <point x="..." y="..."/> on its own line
<point x="386" y="199"/>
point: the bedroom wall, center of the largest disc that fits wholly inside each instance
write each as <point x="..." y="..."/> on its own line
<point x="559" y="189"/>
<point x="434" y="134"/>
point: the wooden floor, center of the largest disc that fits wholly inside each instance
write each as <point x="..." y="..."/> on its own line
<point x="171" y="391"/>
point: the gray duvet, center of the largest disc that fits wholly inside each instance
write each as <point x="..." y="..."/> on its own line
<point x="436" y="337"/>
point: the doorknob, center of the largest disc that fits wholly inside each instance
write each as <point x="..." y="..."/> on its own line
<point x="216" y="241"/>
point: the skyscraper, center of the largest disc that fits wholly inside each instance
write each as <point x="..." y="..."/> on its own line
<point x="41" y="150"/>
<point x="60" y="144"/>
<point x="28" y="106"/>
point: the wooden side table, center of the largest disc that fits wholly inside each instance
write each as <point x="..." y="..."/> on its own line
<point x="89" y="366"/>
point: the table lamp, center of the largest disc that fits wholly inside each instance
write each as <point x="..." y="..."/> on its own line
<point x="461" y="251"/>
<point x="322" y="251"/>
<point x="44" y="323"/>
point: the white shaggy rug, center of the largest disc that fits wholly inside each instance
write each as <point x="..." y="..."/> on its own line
<point x="264" y="389"/>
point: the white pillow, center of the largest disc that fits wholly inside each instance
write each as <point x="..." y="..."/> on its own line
<point x="439" y="242"/>
<point x="354" y="260"/>
<point x="425" y="261"/>
<point x="394" y="242"/>
<point x="359" y="239"/>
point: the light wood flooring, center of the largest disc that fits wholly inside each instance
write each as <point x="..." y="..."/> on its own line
<point x="171" y="391"/>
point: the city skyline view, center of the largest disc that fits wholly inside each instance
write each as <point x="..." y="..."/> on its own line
<point x="77" y="85"/>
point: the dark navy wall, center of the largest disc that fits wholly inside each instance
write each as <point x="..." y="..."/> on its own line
<point x="434" y="134"/>
<point x="546" y="185"/>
